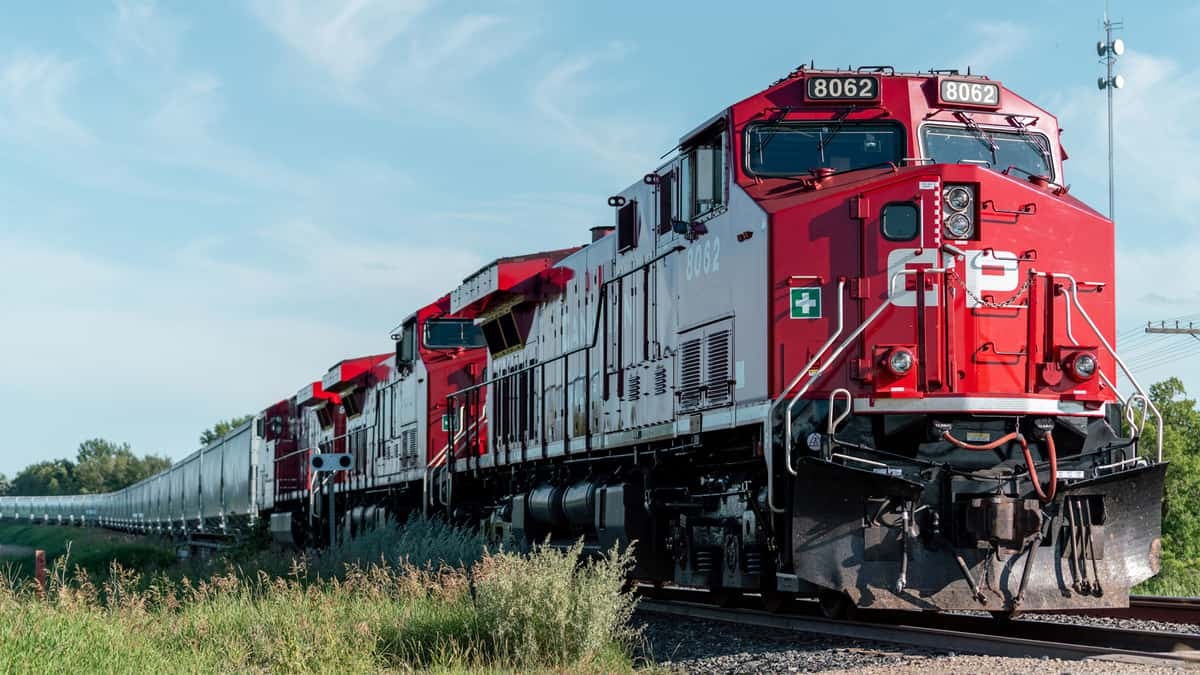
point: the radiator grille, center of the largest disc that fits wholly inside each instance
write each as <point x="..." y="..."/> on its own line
<point x="690" y="375"/>
<point x="717" y="379"/>
<point x="408" y="441"/>
<point x="633" y="387"/>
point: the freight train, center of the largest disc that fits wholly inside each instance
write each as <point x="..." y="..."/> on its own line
<point x="853" y="340"/>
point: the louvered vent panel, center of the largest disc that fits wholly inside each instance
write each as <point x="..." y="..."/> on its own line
<point x="660" y="381"/>
<point x="410" y="442"/>
<point x="690" y="367"/>
<point x="633" y="387"/>
<point x="717" y="358"/>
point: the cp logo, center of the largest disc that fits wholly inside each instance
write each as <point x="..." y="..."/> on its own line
<point x="986" y="272"/>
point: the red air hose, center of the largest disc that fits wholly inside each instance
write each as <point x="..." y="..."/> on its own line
<point x="1046" y="495"/>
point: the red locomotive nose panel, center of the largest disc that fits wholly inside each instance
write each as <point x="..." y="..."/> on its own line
<point x="993" y="281"/>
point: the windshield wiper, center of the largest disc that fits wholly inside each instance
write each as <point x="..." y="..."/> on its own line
<point x="776" y="124"/>
<point x="1024" y="133"/>
<point x="984" y="137"/>
<point x="838" y="122"/>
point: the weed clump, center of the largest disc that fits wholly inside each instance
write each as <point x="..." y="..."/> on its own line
<point x="422" y="595"/>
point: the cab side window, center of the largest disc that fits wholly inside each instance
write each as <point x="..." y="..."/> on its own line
<point x="900" y="221"/>
<point x="704" y="175"/>
<point x="406" y="344"/>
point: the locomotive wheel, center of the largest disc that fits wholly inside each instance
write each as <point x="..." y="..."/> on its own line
<point x="776" y="602"/>
<point x="835" y="605"/>
<point x="726" y="597"/>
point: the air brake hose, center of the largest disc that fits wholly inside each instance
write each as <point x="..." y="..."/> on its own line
<point x="1046" y="495"/>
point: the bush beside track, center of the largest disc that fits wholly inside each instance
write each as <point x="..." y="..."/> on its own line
<point x="1180" y="575"/>
<point x="445" y="603"/>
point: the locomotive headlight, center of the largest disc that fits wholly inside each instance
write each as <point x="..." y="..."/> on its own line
<point x="1082" y="366"/>
<point x="959" y="204"/>
<point x="957" y="197"/>
<point x="899" y="361"/>
<point x="959" y="226"/>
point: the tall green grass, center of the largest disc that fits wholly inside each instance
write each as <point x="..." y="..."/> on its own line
<point x="446" y="603"/>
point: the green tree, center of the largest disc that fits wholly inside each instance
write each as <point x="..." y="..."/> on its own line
<point x="55" y="477"/>
<point x="104" y="466"/>
<point x="5" y="485"/>
<point x="99" y="466"/>
<point x="223" y="427"/>
<point x="1181" y="447"/>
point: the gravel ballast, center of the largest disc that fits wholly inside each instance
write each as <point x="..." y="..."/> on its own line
<point x="700" y="646"/>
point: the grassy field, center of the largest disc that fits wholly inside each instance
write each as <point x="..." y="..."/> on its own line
<point x="1175" y="580"/>
<point x="423" y="596"/>
<point x="91" y="548"/>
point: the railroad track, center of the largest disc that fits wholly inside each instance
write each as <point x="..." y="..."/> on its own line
<point x="1153" y="608"/>
<point x="952" y="632"/>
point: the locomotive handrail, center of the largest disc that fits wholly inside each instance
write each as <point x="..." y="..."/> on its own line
<point x="601" y="312"/>
<point x="582" y="348"/>
<point x="768" y="440"/>
<point x="1073" y="294"/>
<point x="1131" y="416"/>
<point x="769" y="435"/>
<point x="814" y="374"/>
<point x="837" y="393"/>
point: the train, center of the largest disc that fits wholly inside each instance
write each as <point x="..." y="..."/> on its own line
<point x="854" y="340"/>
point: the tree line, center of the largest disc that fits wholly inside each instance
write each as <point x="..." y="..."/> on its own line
<point x="99" y="466"/>
<point x="1181" y="447"/>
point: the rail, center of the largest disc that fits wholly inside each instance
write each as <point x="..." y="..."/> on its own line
<point x="945" y="632"/>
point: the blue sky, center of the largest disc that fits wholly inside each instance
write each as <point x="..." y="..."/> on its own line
<point x="205" y="205"/>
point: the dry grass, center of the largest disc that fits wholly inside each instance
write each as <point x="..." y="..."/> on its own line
<point x="500" y="611"/>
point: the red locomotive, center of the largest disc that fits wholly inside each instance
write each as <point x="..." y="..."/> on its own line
<point x="853" y="340"/>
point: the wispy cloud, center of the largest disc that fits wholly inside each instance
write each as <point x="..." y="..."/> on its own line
<point x="406" y="275"/>
<point x="1156" y="145"/>
<point x="566" y="96"/>
<point x="33" y="91"/>
<point x="1154" y="130"/>
<point x="284" y="317"/>
<point x="388" y="55"/>
<point x="457" y="49"/>
<point x="138" y="29"/>
<point x="186" y="124"/>
<point x="345" y="39"/>
<point x="993" y="43"/>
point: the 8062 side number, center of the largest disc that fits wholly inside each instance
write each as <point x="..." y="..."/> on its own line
<point x="703" y="257"/>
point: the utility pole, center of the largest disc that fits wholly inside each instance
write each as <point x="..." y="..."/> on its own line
<point x="1163" y="329"/>
<point x="1109" y="50"/>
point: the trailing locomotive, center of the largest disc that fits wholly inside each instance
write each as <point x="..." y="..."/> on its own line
<point x="853" y="340"/>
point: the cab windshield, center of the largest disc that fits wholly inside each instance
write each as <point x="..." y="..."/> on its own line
<point x="1027" y="151"/>
<point x="452" y="334"/>
<point x="794" y="148"/>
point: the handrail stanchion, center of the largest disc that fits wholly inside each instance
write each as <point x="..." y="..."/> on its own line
<point x="1073" y="294"/>
<point x="813" y="372"/>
